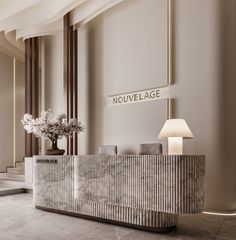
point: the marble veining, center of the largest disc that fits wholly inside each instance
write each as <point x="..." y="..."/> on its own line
<point x="145" y="190"/>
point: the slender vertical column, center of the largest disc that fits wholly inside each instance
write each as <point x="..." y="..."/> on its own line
<point x="75" y="80"/>
<point x="66" y="44"/>
<point x="71" y="85"/>
<point x="70" y="79"/>
<point x="42" y="88"/>
<point x="31" y="90"/>
<point x="28" y="137"/>
<point x="35" y="89"/>
<point x="14" y="111"/>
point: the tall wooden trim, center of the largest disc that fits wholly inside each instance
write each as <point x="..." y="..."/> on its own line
<point x="28" y="137"/>
<point x="70" y="79"/>
<point x="71" y="86"/>
<point x="31" y="91"/>
<point x="66" y="63"/>
<point x="75" y="80"/>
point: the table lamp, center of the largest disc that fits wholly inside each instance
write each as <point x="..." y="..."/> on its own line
<point x="175" y="130"/>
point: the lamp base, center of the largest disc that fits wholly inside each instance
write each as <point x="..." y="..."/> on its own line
<point x="175" y="146"/>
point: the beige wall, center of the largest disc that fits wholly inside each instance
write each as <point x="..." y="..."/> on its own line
<point x="54" y="94"/>
<point x="119" y="52"/>
<point x="115" y="58"/>
<point x="54" y="72"/>
<point x="6" y="109"/>
<point x="123" y="50"/>
<point x="19" y="110"/>
<point x="205" y="56"/>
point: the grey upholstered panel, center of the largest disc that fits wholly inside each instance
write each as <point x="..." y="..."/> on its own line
<point x="108" y="150"/>
<point x="150" y="149"/>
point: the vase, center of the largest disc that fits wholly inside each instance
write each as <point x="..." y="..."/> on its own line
<point x="54" y="149"/>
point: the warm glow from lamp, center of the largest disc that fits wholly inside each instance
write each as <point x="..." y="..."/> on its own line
<point x="175" y="130"/>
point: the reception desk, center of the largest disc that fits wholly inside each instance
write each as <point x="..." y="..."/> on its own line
<point x="143" y="191"/>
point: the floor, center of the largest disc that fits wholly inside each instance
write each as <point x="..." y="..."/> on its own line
<point x="19" y="220"/>
<point x="8" y="187"/>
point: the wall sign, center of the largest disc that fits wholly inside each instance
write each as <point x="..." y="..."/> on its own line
<point x="46" y="161"/>
<point x="139" y="96"/>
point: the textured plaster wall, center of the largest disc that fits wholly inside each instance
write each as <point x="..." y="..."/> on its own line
<point x="119" y="52"/>
<point x="124" y="50"/>
<point x="54" y="93"/>
<point x="19" y="111"/>
<point x="6" y="109"/>
<point x="115" y="58"/>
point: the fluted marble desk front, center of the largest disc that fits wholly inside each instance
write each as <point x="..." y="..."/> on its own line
<point x="140" y="191"/>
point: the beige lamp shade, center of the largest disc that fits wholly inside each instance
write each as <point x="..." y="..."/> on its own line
<point x="175" y="128"/>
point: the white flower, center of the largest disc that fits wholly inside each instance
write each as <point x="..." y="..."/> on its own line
<point x="53" y="128"/>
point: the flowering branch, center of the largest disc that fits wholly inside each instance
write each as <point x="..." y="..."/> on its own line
<point x="53" y="128"/>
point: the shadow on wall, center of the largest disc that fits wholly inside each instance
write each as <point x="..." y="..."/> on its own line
<point x="95" y="79"/>
<point x="227" y="101"/>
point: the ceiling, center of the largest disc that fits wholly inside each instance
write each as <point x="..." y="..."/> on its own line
<point x="22" y="19"/>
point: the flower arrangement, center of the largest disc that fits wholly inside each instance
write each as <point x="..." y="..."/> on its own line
<point x="52" y="128"/>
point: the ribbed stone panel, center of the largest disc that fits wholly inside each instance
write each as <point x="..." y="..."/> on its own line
<point x="141" y="190"/>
